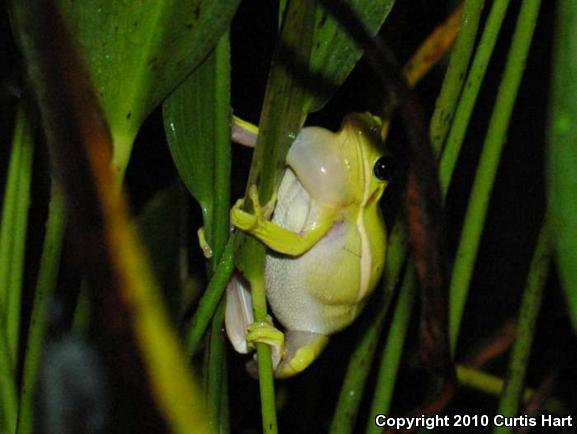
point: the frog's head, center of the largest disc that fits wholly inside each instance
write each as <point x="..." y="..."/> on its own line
<point x="348" y="167"/>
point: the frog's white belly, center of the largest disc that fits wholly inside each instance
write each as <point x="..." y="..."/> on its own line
<point x="313" y="292"/>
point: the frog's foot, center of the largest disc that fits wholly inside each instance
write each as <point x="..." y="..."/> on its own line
<point x="206" y="249"/>
<point x="302" y="348"/>
<point x="252" y="222"/>
<point x="265" y="333"/>
<point x="243" y="132"/>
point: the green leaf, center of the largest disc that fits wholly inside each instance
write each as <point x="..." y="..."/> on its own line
<point x="562" y="158"/>
<point x="197" y="124"/>
<point x="334" y="54"/>
<point x="138" y="52"/>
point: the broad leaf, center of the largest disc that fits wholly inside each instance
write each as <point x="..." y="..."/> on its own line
<point x="197" y="124"/>
<point x="138" y="52"/>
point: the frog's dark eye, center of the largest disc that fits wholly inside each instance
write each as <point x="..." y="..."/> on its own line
<point x="385" y="168"/>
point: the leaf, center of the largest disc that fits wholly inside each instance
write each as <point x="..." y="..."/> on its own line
<point x="139" y="51"/>
<point x="197" y="125"/>
<point x="562" y="158"/>
<point x="142" y="351"/>
<point x="334" y="54"/>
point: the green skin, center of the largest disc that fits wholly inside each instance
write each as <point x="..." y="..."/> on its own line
<point x="330" y="233"/>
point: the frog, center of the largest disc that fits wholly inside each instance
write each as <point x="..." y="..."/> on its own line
<point x="326" y="243"/>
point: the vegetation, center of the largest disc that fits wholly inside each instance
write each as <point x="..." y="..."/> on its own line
<point x="116" y="148"/>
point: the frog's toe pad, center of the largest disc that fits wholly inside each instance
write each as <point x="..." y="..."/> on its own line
<point x="203" y="243"/>
<point x="265" y="333"/>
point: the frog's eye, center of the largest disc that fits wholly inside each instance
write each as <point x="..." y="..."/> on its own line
<point x="385" y="168"/>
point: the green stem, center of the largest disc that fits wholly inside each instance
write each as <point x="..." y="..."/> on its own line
<point x="220" y="224"/>
<point x="453" y="82"/>
<point x="393" y="350"/>
<point x="488" y="164"/>
<point x="8" y="398"/>
<point x="224" y="427"/>
<point x="222" y="156"/>
<point x="361" y="360"/>
<point x="282" y="117"/>
<point x="49" y="265"/>
<point x="356" y="376"/>
<point x="514" y="384"/>
<point x="265" y="371"/>
<point x="216" y="362"/>
<point x="493" y="385"/>
<point x="470" y="91"/>
<point x="210" y="299"/>
<point x="13" y="229"/>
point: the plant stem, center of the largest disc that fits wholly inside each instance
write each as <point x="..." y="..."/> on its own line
<point x="453" y="82"/>
<point x="216" y="363"/>
<point x="265" y="371"/>
<point x="393" y="349"/>
<point x="13" y="229"/>
<point x="210" y="298"/>
<point x="222" y="156"/>
<point x="488" y="164"/>
<point x="470" y="91"/>
<point x="360" y="361"/>
<point x="49" y="265"/>
<point x="220" y="224"/>
<point x="8" y="398"/>
<point x="493" y="385"/>
<point x="514" y="384"/>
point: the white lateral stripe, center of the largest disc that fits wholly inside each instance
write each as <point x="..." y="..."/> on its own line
<point x="365" y="266"/>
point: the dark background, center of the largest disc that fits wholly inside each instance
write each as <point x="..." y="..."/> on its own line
<point x="306" y="403"/>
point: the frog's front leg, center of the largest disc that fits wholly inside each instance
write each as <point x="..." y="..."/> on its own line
<point x="277" y="238"/>
<point x="291" y="353"/>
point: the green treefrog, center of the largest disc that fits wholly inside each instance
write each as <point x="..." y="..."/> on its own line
<point x="326" y="240"/>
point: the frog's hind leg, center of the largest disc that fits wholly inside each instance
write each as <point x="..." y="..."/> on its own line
<point x="301" y="349"/>
<point x="238" y="313"/>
